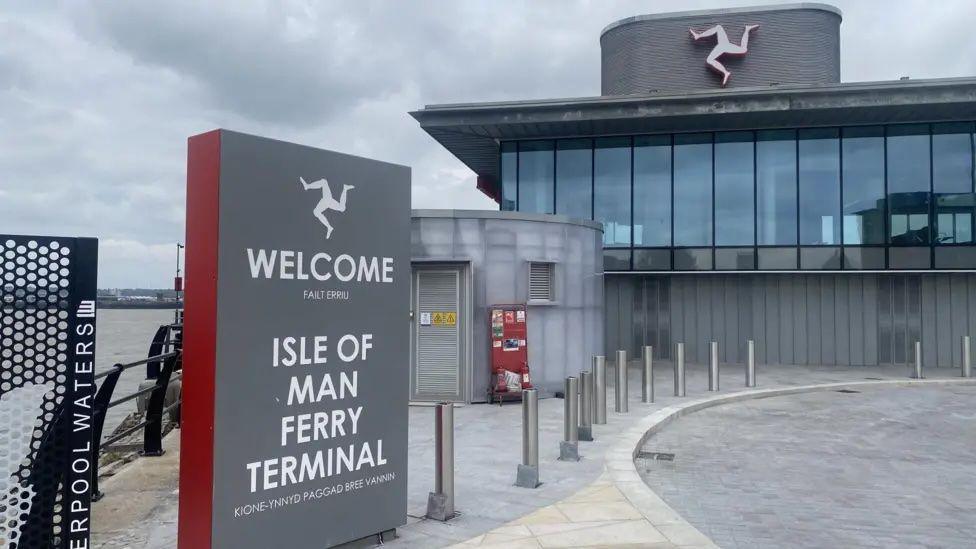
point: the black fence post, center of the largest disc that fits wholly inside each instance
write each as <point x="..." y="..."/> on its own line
<point x="152" y="444"/>
<point x="102" y="398"/>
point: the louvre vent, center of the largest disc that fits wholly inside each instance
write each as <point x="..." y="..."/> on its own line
<point x="437" y="342"/>
<point x="541" y="281"/>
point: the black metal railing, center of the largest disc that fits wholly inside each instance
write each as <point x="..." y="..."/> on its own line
<point x="169" y="366"/>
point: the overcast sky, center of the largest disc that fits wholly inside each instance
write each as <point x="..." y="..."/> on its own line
<point x="96" y="101"/>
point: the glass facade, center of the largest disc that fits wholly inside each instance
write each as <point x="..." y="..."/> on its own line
<point x="858" y="198"/>
<point x="574" y="171"/>
<point x="692" y="185"/>
<point x="536" y="171"/>
<point x="611" y="189"/>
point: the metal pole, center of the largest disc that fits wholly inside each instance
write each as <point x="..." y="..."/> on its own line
<point x="713" y="367"/>
<point x="917" y="374"/>
<point x="647" y="385"/>
<point x="967" y="364"/>
<point x="569" y="446"/>
<point x="570" y="411"/>
<point x="679" y="370"/>
<point x="528" y="470"/>
<point x="620" y="405"/>
<point x="600" y="390"/>
<point x="751" y="364"/>
<point x="440" y="502"/>
<point x="586" y="406"/>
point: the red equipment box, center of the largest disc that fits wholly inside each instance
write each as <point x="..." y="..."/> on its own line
<point x="509" y="352"/>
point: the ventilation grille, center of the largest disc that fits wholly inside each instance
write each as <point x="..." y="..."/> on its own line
<point x="541" y="281"/>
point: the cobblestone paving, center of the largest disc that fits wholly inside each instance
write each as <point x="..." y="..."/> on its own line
<point x="886" y="467"/>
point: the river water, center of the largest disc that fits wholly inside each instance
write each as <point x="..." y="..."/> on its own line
<point x="124" y="335"/>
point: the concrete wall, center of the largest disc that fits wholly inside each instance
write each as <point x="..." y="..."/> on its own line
<point x="849" y="319"/>
<point x="796" y="44"/>
<point x="499" y="246"/>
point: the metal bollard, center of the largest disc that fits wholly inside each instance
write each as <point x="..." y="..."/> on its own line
<point x="620" y="405"/>
<point x="586" y="407"/>
<point x="569" y="446"/>
<point x="599" y="390"/>
<point x="647" y="385"/>
<point x="967" y="364"/>
<point x="917" y="373"/>
<point x="679" y="370"/>
<point x="440" y="502"/>
<point x="713" y="367"/>
<point x="528" y="471"/>
<point x="751" y="364"/>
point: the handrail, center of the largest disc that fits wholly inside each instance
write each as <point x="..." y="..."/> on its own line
<point x="126" y="366"/>
<point x="152" y="444"/>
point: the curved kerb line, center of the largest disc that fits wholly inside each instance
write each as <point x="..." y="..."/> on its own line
<point x="621" y="469"/>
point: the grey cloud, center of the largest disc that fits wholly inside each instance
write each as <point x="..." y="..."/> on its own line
<point x="97" y="99"/>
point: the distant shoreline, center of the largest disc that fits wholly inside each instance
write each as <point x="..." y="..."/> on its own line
<point x="114" y="304"/>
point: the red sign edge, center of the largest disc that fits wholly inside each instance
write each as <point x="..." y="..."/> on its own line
<point x="194" y="529"/>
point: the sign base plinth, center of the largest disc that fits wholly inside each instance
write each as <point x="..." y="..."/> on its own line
<point x="369" y="541"/>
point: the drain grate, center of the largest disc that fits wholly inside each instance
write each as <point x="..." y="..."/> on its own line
<point x="848" y="391"/>
<point x="657" y="456"/>
<point x="873" y="378"/>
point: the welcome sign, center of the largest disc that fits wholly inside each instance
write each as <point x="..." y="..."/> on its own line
<point x="296" y="345"/>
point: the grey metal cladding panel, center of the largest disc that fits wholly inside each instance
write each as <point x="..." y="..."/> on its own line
<point x="871" y="314"/>
<point x="665" y="337"/>
<point x="639" y="312"/>
<point x="943" y="319"/>
<point x="930" y="339"/>
<point x="802" y="340"/>
<point x="960" y="317"/>
<point x="842" y="321"/>
<point x="791" y="46"/>
<point x="827" y="308"/>
<point x="702" y="319"/>
<point x="803" y="319"/>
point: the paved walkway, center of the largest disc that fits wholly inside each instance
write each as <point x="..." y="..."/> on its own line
<point x="884" y="467"/>
<point x="487" y="448"/>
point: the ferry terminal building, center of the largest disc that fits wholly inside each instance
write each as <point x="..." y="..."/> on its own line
<point x="831" y="222"/>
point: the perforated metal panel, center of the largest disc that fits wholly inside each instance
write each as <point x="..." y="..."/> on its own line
<point x="437" y="372"/>
<point x="39" y="300"/>
<point x="541" y="281"/>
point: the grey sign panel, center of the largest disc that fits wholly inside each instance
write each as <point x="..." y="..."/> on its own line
<point x="312" y="367"/>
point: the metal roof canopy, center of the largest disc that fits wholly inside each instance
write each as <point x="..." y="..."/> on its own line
<point x="472" y="131"/>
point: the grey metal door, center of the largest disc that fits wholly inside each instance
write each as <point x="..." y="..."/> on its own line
<point x="437" y="329"/>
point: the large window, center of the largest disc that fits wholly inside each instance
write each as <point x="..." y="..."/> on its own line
<point x="901" y="196"/>
<point x="734" y="182"/>
<point x="611" y="189"/>
<point x="509" y="175"/>
<point x="952" y="183"/>
<point x="536" y="170"/>
<point x="819" y="181"/>
<point x="908" y="185"/>
<point x="864" y="185"/>
<point x="652" y="191"/>
<point x="693" y="189"/>
<point x="776" y="187"/>
<point x="574" y="174"/>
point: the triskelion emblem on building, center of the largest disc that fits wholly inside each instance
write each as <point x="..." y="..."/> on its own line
<point x="723" y="47"/>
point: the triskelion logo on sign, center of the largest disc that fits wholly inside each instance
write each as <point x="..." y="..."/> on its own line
<point x="327" y="202"/>
<point x="723" y="47"/>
